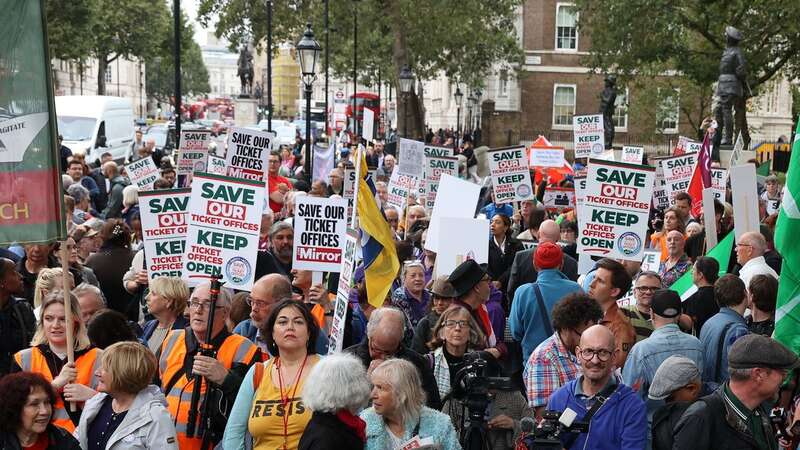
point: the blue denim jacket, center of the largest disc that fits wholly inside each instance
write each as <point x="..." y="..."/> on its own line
<point x="710" y="337"/>
<point x="647" y="355"/>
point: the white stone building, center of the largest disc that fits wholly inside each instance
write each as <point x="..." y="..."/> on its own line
<point x="124" y="78"/>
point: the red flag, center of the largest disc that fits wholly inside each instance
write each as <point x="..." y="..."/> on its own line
<point x="701" y="177"/>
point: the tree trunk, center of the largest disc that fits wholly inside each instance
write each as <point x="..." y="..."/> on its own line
<point x="101" y="74"/>
<point x="408" y="121"/>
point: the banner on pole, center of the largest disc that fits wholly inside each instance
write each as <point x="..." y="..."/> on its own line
<point x="588" y="136"/>
<point x="143" y="173"/>
<point x="343" y="291"/>
<point x="319" y="228"/>
<point x="164" y="230"/>
<point x="613" y="220"/>
<point x="248" y="153"/>
<point x="223" y="230"/>
<point x="31" y="201"/>
<point x="678" y="173"/>
<point x="511" y="177"/>
<point x="192" y="155"/>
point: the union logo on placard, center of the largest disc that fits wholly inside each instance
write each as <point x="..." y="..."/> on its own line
<point x="597" y="148"/>
<point x="523" y="190"/>
<point x="238" y="270"/>
<point x="629" y="243"/>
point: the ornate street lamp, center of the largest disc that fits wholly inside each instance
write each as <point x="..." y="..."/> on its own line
<point x="459" y="96"/>
<point x="406" y="81"/>
<point x="307" y="51"/>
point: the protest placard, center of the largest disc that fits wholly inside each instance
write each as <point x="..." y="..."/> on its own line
<point x="745" y="199"/>
<point x="368" y="128"/>
<point x="349" y="189"/>
<point x="248" y="153"/>
<point x="435" y="166"/>
<point x="558" y="199"/>
<point x="613" y="219"/>
<point x="343" y="292"/>
<point x="719" y="179"/>
<point x="456" y="198"/>
<point x="580" y="191"/>
<point x="660" y="199"/>
<point x="736" y="153"/>
<point x="708" y="211"/>
<point x="547" y="157"/>
<point x="677" y="173"/>
<point x="651" y="261"/>
<point x="164" y="226"/>
<point x="222" y="238"/>
<point x="399" y="188"/>
<point x="143" y="173"/>
<point x="588" y="135"/>
<point x="412" y="157"/>
<point x="632" y="154"/>
<point x="192" y="155"/>
<point x="216" y="165"/>
<point x="431" y="150"/>
<point x="319" y="228"/>
<point x="511" y="177"/>
<point x="460" y="239"/>
<point x="693" y="147"/>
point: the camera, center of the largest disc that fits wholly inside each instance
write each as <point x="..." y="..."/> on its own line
<point x="554" y="424"/>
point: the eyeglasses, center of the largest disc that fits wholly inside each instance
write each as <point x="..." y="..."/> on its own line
<point x="274" y="161"/>
<point x="456" y="323"/>
<point x="649" y="289"/>
<point x="588" y="354"/>
<point x="203" y="305"/>
<point x="255" y="303"/>
<point x="743" y="245"/>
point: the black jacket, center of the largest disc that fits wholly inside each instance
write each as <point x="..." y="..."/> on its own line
<point x="500" y="263"/>
<point x="101" y="200"/>
<point x="17" y="326"/>
<point x="664" y="420"/>
<point x="420" y="362"/>
<point x="326" y="432"/>
<point x="712" y="423"/>
<point x="59" y="440"/>
<point x="522" y="270"/>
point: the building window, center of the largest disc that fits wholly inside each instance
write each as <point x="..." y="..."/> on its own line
<point x="621" y="110"/>
<point x="566" y="27"/>
<point x="108" y="74"/>
<point x="563" y="105"/>
<point x="502" y="86"/>
<point x="668" y="113"/>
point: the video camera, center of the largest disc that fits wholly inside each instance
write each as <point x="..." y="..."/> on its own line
<point x="553" y="426"/>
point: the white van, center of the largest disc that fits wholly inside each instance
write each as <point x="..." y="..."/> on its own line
<point x="95" y="124"/>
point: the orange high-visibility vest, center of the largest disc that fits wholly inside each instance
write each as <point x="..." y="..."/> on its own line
<point x="32" y="360"/>
<point x="235" y="349"/>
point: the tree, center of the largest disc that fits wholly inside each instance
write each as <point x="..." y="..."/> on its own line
<point x="462" y="38"/>
<point x="124" y="28"/>
<point x="161" y="65"/>
<point x="68" y="27"/>
<point x="686" y="37"/>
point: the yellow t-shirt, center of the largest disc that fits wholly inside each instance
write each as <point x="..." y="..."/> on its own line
<point x="266" y="422"/>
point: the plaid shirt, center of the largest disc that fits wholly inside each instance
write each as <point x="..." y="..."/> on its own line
<point x="549" y="367"/>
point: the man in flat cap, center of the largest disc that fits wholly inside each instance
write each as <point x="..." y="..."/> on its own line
<point x="734" y="416"/>
<point x="471" y="285"/>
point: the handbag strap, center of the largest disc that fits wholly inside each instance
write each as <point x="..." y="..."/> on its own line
<point x="548" y="327"/>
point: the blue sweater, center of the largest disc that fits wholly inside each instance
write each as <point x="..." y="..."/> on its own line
<point x="432" y="423"/>
<point x="620" y="424"/>
<point x="526" y="319"/>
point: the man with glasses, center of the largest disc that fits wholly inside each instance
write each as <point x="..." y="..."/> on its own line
<point x="471" y="284"/>
<point x="393" y="218"/>
<point x="750" y="255"/>
<point x="617" y="416"/>
<point x="180" y="359"/>
<point x="611" y="281"/>
<point x="278" y="185"/>
<point x="667" y="340"/>
<point x="734" y="416"/>
<point x="646" y="284"/>
<point x="554" y="363"/>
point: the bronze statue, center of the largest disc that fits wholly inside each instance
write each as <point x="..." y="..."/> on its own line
<point x="245" y="72"/>
<point x="732" y="88"/>
<point x="607" y="104"/>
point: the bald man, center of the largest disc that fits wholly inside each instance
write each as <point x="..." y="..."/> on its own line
<point x="623" y="421"/>
<point x="522" y="270"/>
<point x="750" y="255"/>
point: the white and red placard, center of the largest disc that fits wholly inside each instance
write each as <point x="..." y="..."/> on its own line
<point x="719" y="181"/>
<point x="588" y="136"/>
<point x="343" y="291"/>
<point x="319" y="228"/>
<point x="511" y="177"/>
<point x="192" y="155"/>
<point x="614" y="215"/>
<point x="164" y="227"/>
<point x="678" y="173"/>
<point x="216" y="165"/>
<point x="248" y="153"/>
<point x="632" y="154"/>
<point x="143" y="173"/>
<point x="399" y="188"/>
<point x="223" y="230"/>
<point x="435" y="167"/>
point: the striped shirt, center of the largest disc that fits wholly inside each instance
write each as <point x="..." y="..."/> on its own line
<point x="549" y="367"/>
<point x="640" y="321"/>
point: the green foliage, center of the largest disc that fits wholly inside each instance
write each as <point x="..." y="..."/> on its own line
<point x="68" y="25"/>
<point x="127" y="28"/>
<point x="161" y="66"/>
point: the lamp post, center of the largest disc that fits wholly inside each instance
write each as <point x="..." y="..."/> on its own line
<point x="307" y="50"/>
<point x="478" y="94"/>
<point x="269" y="65"/>
<point x="471" y="107"/>
<point x="406" y="80"/>
<point x="459" y="96"/>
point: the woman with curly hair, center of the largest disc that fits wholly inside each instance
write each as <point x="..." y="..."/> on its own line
<point x="110" y="264"/>
<point x="26" y="414"/>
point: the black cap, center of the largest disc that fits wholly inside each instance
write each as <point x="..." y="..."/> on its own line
<point x="666" y="303"/>
<point x="466" y="276"/>
<point x="755" y="350"/>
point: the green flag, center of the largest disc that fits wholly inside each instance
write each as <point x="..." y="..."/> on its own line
<point x="31" y="203"/>
<point x="763" y="169"/>
<point x="721" y="252"/>
<point x="787" y="314"/>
